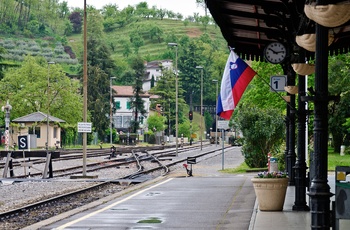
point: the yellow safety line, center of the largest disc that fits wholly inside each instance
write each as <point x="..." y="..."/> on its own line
<point x="229" y="208"/>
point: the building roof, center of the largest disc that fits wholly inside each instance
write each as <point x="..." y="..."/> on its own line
<point x="126" y="91"/>
<point x="157" y="63"/>
<point x="37" y="117"/>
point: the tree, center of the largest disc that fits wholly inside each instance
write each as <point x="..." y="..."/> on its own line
<point x="2" y="65"/>
<point x="156" y="122"/>
<point x="161" y="13"/>
<point x="208" y="121"/>
<point x="95" y="22"/>
<point x="27" y="90"/>
<point x="185" y="129"/>
<point x="98" y="99"/>
<point x="77" y="22"/>
<point x="189" y="59"/>
<point x="142" y="9"/>
<point x="202" y="4"/>
<point x="126" y="44"/>
<point x="100" y="69"/>
<point x="156" y="32"/>
<point x="137" y="103"/>
<point x="63" y="10"/>
<point x="338" y="74"/>
<point x="263" y="131"/>
<point x="205" y="21"/>
<point x="258" y="92"/>
<point x="136" y="40"/>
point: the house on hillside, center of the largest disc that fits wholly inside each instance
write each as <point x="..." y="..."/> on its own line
<point x="36" y="123"/>
<point x="124" y="113"/>
<point x="154" y="70"/>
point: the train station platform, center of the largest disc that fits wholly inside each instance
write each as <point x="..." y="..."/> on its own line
<point x="208" y="200"/>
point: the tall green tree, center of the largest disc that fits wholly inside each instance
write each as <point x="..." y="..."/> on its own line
<point x="98" y="99"/>
<point x="165" y="89"/>
<point x="100" y="68"/>
<point x="137" y="103"/>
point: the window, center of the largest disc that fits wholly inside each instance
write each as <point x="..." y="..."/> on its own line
<point x="55" y="132"/>
<point x="118" y="121"/>
<point x="126" y="121"/>
<point x="34" y="131"/>
<point x="128" y="105"/>
<point x="117" y="105"/>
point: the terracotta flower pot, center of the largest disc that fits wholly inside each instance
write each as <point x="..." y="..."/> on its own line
<point x="270" y="193"/>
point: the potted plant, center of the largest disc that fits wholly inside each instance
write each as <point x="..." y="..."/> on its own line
<point x="270" y="189"/>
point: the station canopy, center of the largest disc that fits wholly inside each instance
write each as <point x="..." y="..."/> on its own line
<point x="249" y="25"/>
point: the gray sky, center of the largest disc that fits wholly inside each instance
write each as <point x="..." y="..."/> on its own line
<point x="185" y="7"/>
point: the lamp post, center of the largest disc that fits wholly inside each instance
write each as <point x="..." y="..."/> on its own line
<point x="216" y="116"/>
<point x="176" y="99"/>
<point x="48" y="103"/>
<point x="7" y="108"/>
<point x="110" y="110"/>
<point x="201" y="121"/>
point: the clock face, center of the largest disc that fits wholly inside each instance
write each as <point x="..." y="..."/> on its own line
<point x="275" y="52"/>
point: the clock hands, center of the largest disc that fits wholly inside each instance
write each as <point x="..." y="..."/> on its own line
<point x="276" y="52"/>
<point x="273" y="51"/>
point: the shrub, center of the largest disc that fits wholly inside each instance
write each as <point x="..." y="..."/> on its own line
<point x="44" y="44"/>
<point x="21" y="43"/>
<point x="18" y="52"/>
<point x="9" y="44"/>
<point x="263" y="131"/>
<point x="35" y="48"/>
<point x="59" y="50"/>
<point x="47" y="50"/>
<point x="32" y="43"/>
<point x="152" y="138"/>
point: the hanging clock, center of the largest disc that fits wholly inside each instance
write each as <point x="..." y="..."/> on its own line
<point x="275" y="52"/>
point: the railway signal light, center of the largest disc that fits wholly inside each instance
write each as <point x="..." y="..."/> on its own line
<point x="190" y="115"/>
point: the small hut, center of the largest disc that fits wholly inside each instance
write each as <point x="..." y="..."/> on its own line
<point x="36" y="123"/>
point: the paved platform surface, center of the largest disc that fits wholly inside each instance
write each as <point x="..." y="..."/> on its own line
<point x="289" y="219"/>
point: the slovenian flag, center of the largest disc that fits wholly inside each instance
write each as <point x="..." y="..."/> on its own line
<point x="237" y="75"/>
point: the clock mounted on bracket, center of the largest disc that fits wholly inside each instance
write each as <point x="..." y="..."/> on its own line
<point x="275" y="52"/>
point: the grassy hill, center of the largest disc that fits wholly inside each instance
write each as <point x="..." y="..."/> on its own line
<point x="151" y="48"/>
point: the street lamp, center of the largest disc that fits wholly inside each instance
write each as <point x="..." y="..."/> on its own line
<point x="201" y="122"/>
<point x="48" y="103"/>
<point x="7" y="108"/>
<point x="110" y="110"/>
<point x="176" y="99"/>
<point x="216" y="116"/>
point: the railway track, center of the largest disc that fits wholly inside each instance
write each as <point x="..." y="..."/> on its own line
<point x="41" y="210"/>
<point x="103" y="163"/>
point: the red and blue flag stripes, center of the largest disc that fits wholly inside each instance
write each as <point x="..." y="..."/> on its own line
<point x="237" y="75"/>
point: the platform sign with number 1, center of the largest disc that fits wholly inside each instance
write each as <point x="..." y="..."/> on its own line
<point x="278" y="83"/>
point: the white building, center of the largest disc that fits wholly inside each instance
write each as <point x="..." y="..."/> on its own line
<point x="124" y="113"/>
<point x="122" y="95"/>
<point x="154" y="69"/>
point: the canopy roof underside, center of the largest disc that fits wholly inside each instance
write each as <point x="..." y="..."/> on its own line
<point x="249" y="25"/>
